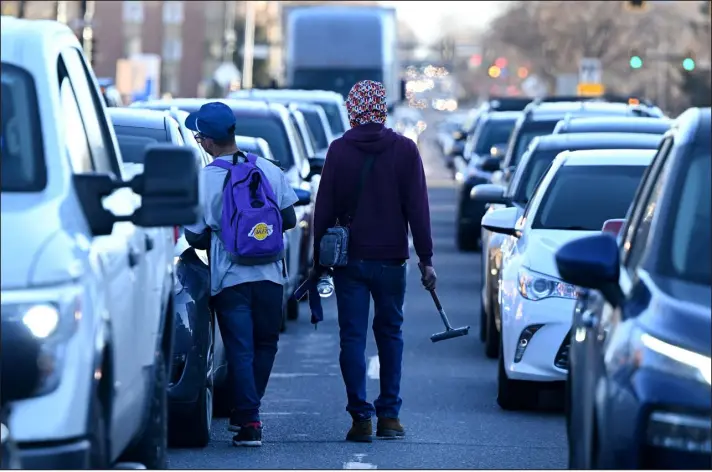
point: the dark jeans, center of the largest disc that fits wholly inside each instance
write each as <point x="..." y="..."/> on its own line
<point x="250" y="316"/>
<point x="355" y="284"/>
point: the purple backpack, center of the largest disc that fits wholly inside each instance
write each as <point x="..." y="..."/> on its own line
<point x="251" y="223"/>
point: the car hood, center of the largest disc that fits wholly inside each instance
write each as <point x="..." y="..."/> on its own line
<point x="41" y="243"/>
<point x="542" y="245"/>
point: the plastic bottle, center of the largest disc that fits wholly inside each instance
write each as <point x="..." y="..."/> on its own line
<point x="325" y="286"/>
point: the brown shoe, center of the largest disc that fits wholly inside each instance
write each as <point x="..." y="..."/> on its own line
<point x="389" y="428"/>
<point x="361" y="431"/>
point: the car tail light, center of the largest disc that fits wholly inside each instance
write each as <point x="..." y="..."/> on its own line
<point x="613" y="226"/>
<point x="176" y="234"/>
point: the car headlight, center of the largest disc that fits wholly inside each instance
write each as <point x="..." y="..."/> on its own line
<point x="53" y="321"/>
<point x="535" y="286"/>
<point x="647" y="351"/>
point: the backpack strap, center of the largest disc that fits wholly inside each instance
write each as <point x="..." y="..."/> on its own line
<point x="223" y="164"/>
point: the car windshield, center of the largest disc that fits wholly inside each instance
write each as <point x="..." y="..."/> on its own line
<point x="21" y="144"/>
<point x="272" y="131"/>
<point x="686" y="238"/>
<point x="527" y="135"/>
<point x="317" y="130"/>
<point x="134" y="140"/>
<point x="535" y="168"/>
<point x="491" y="134"/>
<point x="582" y="198"/>
<point x="333" y="114"/>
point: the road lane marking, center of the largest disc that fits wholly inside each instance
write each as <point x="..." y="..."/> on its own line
<point x="374" y="368"/>
<point x="357" y="463"/>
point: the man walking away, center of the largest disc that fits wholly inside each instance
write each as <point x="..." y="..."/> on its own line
<point x="393" y="197"/>
<point x="247" y="204"/>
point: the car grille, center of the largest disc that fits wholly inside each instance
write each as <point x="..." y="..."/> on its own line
<point x="562" y="357"/>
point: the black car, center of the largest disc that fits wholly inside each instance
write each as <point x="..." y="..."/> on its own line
<point x="638" y="389"/>
<point x="534" y="164"/>
<point x="484" y="151"/>
<point x="540" y="119"/>
<point x="613" y="124"/>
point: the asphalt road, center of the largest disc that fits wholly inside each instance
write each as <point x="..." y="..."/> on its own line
<point x="448" y="388"/>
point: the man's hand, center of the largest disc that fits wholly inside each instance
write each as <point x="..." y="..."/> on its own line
<point x="428" y="277"/>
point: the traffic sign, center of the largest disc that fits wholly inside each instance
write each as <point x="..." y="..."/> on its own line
<point x="590" y="71"/>
<point x="590" y="90"/>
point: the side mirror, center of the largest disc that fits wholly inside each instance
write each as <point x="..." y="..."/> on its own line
<point x="490" y="164"/>
<point x="502" y="221"/>
<point x="488" y="193"/>
<point x="304" y="197"/>
<point x="168" y="188"/>
<point x="613" y="227"/>
<point x="316" y="166"/>
<point x="592" y="262"/>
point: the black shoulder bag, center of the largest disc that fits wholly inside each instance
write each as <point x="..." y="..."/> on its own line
<point x="334" y="245"/>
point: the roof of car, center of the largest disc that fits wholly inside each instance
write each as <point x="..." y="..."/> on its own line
<point x="287" y="93"/>
<point x="622" y="122"/>
<point x="552" y="110"/>
<point x="607" y="157"/>
<point x="253" y="107"/>
<point x="573" y="141"/>
<point x="503" y="115"/>
<point x="137" y="117"/>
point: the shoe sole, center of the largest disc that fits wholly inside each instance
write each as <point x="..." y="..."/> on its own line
<point x="247" y="443"/>
<point x="390" y="434"/>
<point x="360" y="439"/>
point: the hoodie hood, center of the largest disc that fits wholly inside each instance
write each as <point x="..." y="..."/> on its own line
<point x="371" y="138"/>
<point x="366" y="103"/>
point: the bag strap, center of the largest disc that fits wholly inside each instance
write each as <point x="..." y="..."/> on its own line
<point x="365" y="170"/>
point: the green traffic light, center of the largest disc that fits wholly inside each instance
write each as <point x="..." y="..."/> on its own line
<point x="636" y="62"/>
<point x="688" y="64"/>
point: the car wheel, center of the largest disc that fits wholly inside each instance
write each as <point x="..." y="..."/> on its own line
<point x="193" y="429"/>
<point x="483" y="320"/>
<point x="513" y="394"/>
<point x="151" y="448"/>
<point x="292" y="309"/>
<point x="491" y="337"/>
<point x="467" y="241"/>
<point x="98" y="438"/>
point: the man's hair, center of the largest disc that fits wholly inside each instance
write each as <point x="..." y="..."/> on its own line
<point x="227" y="141"/>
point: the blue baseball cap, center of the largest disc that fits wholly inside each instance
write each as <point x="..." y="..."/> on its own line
<point x="213" y="120"/>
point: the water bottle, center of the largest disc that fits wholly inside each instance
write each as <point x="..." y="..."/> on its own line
<point x="325" y="286"/>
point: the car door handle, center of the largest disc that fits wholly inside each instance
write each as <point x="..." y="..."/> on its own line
<point x="589" y="320"/>
<point x="133" y="257"/>
<point x="149" y="243"/>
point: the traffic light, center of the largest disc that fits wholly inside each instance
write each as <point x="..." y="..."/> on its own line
<point x="636" y="60"/>
<point x="688" y="63"/>
<point x="494" y="72"/>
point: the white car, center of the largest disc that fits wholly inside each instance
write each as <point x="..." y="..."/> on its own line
<point x="80" y="271"/>
<point x="579" y="193"/>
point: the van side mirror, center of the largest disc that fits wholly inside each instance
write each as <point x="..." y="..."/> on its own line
<point x="168" y="188"/>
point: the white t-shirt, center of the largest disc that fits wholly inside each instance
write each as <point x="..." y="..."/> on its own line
<point x="223" y="272"/>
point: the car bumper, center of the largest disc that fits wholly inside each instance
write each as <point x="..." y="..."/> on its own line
<point x="539" y="357"/>
<point x="64" y="456"/>
<point x="654" y="420"/>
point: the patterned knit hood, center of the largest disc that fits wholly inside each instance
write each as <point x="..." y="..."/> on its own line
<point x="366" y="103"/>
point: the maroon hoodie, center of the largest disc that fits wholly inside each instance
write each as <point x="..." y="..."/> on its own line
<point x="394" y="195"/>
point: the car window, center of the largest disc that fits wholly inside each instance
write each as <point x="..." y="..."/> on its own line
<point x="491" y="134"/>
<point x="333" y="114"/>
<point x="574" y="200"/>
<point x="314" y="123"/>
<point x="271" y="130"/>
<point x="21" y="144"/>
<point x="298" y="137"/>
<point x="80" y="157"/>
<point x="686" y="229"/>
<point x="134" y="140"/>
<point x="91" y="107"/>
<point x="527" y="135"/>
<point x="528" y="176"/>
<point x="637" y="226"/>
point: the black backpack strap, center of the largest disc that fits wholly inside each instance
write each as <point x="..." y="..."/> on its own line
<point x="365" y="170"/>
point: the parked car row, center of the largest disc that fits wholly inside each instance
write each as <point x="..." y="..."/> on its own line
<point x="595" y="236"/>
<point x="95" y="266"/>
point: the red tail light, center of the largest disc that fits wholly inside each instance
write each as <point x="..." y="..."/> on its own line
<point x="176" y="234"/>
<point x="613" y="226"/>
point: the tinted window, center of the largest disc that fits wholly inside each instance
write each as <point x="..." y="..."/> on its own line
<point x="298" y="136"/>
<point x="317" y="130"/>
<point x="686" y="238"/>
<point x="527" y="135"/>
<point x="333" y="114"/>
<point x="582" y="198"/>
<point x="530" y="175"/>
<point x="133" y="141"/>
<point x="74" y="133"/>
<point x="21" y="146"/>
<point x="492" y="133"/>
<point x="271" y="130"/>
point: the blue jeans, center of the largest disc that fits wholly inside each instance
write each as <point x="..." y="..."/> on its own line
<point x="250" y="317"/>
<point x="355" y="284"/>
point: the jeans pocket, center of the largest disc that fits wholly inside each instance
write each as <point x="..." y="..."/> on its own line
<point x="392" y="278"/>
